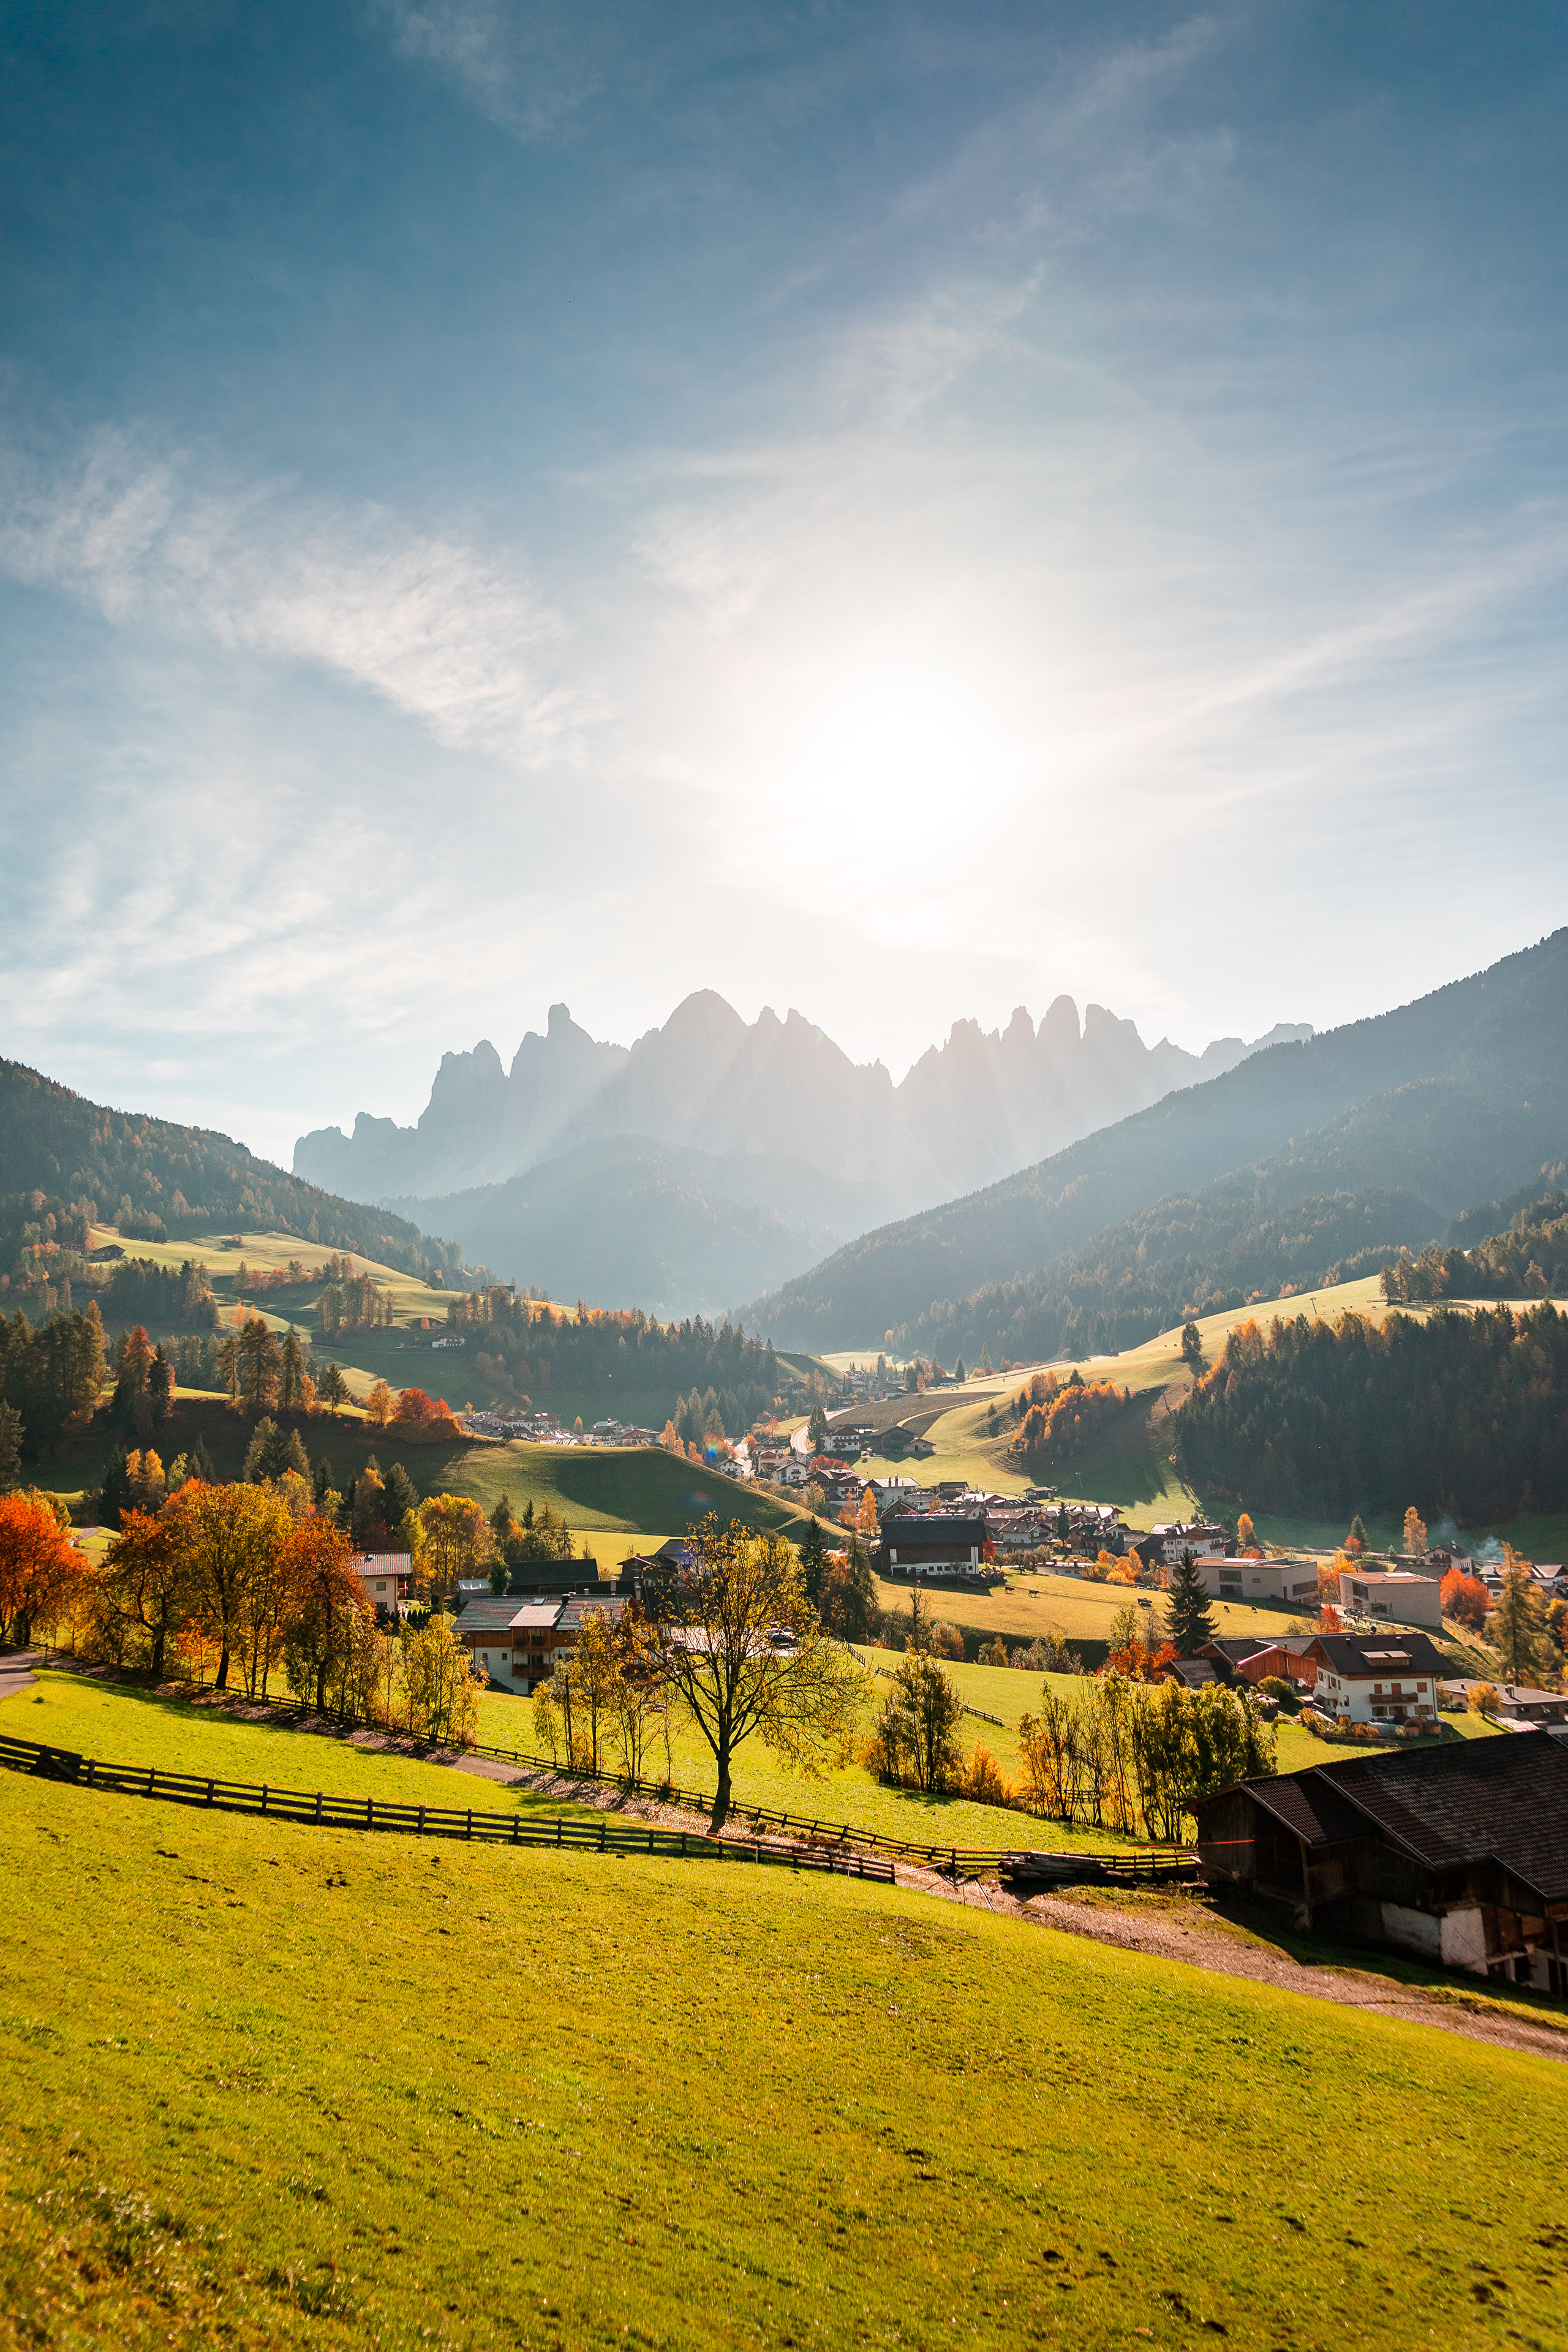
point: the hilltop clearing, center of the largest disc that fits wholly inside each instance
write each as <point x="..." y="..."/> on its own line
<point x="216" y="2132"/>
<point x="1460" y="1096"/>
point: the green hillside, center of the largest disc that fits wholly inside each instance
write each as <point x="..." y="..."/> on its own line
<point x="268" y="2085"/>
<point x="187" y="1183"/>
<point x="1457" y="1098"/>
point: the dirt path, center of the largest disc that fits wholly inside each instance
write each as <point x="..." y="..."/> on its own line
<point x="1200" y="1945"/>
<point x="16" y="1672"/>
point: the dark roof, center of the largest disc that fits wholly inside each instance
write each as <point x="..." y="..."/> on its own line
<point x="1502" y="1800"/>
<point x="1311" y="1809"/>
<point x="1380" y="1655"/>
<point x="579" y="1604"/>
<point x="1240" y="1646"/>
<point x="909" y="1529"/>
<point x="496" y="1613"/>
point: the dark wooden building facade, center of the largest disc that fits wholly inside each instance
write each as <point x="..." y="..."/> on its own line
<point x="1459" y="1853"/>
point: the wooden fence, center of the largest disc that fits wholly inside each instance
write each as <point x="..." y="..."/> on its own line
<point x="603" y="1836"/>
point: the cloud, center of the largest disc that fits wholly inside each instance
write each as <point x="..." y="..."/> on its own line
<point x="431" y="625"/>
<point x="529" y="75"/>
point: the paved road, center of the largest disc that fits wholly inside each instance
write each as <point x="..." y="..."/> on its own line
<point x="16" y="1671"/>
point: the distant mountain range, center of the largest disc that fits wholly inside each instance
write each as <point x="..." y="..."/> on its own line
<point x="714" y="1157"/>
<point x="1388" y="1127"/>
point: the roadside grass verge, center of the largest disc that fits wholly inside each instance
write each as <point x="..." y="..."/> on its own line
<point x="269" y="2085"/>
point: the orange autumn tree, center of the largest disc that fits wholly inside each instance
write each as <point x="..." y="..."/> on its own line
<point x="422" y="1420"/>
<point x="41" y="1572"/>
<point x="1067" y="1424"/>
<point x="1464" y="1598"/>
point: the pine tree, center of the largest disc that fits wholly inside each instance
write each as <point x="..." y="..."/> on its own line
<point x="10" y="1447"/>
<point x="811" y="1553"/>
<point x="1188" y="1621"/>
<point x="200" y="1464"/>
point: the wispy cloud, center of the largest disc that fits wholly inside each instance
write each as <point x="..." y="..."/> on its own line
<point x="430" y="625"/>
<point x="530" y="72"/>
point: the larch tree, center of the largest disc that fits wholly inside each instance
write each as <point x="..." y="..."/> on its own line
<point x="145" y="1584"/>
<point x="747" y="1652"/>
<point x="326" y="1607"/>
<point x="228" y="1539"/>
<point x="41" y="1572"/>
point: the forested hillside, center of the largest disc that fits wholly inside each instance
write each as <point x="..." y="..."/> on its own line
<point x="1460" y="1412"/>
<point x="1190" y="1255"/>
<point x="156" y="1180"/>
<point x="1457" y="1098"/>
<point x="1530" y="1259"/>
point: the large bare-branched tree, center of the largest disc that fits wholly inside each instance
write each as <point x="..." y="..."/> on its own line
<point x="746" y="1651"/>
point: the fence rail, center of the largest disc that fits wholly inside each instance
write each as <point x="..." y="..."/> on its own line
<point x="376" y="1813"/>
<point x="1133" y="1864"/>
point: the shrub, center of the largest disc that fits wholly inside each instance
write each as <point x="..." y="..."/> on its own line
<point x="994" y="1652"/>
<point x="1275" y="1686"/>
<point x="946" y="1641"/>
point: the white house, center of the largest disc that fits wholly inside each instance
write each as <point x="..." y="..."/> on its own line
<point x="1389" y="1678"/>
<point x="387" y="1577"/>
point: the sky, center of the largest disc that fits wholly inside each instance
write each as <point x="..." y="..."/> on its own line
<point x="897" y="511"/>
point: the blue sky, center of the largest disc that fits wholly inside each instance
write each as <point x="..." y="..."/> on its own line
<point x="896" y="511"/>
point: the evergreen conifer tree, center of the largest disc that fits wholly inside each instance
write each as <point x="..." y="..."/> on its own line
<point x="1188" y="1621"/>
<point x="10" y="1447"/>
<point x="200" y="1464"/>
<point x="811" y="1552"/>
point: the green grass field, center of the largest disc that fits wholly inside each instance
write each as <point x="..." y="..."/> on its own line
<point x="1029" y="1604"/>
<point x="121" y="1725"/>
<point x="844" y="1794"/>
<point x="640" y="1494"/>
<point x="267" y="2085"/>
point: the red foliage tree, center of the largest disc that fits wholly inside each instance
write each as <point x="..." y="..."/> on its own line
<point x="1464" y="1598"/>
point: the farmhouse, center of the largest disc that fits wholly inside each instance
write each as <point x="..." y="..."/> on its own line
<point x="1516" y="1703"/>
<point x="387" y="1577"/>
<point x="1460" y="1853"/>
<point x="518" y="1642"/>
<point x="1163" y="1545"/>
<point x="927" y="1545"/>
<point x="1395" y="1593"/>
<point x="1375" y="1678"/>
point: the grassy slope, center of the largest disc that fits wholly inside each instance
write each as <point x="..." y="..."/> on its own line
<point x="123" y="1725"/>
<point x="1026" y="1605"/>
<point x="296" y="2086"/>
<point x="639" y="1492"/>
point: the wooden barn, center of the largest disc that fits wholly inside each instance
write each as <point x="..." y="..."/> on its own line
<point x="1460" y="1853"/>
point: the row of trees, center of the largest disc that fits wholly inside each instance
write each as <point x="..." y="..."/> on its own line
<point x="529" y="1346"/>
<point x="1467" y="1409"/>
<point x="251" y="1579"/>
<point x="1530" y="1260"/>
<point x="1121" y="1754"/>
<point x="1070" y="1421"/>
<point x="1188" y="1255"/>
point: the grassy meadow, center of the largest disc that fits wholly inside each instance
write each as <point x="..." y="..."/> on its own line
<point x="121" y="1724"/>
<point x="272" y="2085"/>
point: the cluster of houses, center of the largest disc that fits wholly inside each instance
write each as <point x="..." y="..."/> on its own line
<point x="544" y="1429"/>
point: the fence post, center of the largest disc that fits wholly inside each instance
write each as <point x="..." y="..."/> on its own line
<point x="516" y="1825"/>
<point x="212" y="1791"/>
<point x="370" y="1813"/>
<point x="557" y="1829"/>
<point x="421" y="1820"/>
<point x="264" y="1796"/>
<point x="604" y="1829"/>
<point x="470" y="1823"/>
<point x="318" y="1804"/>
